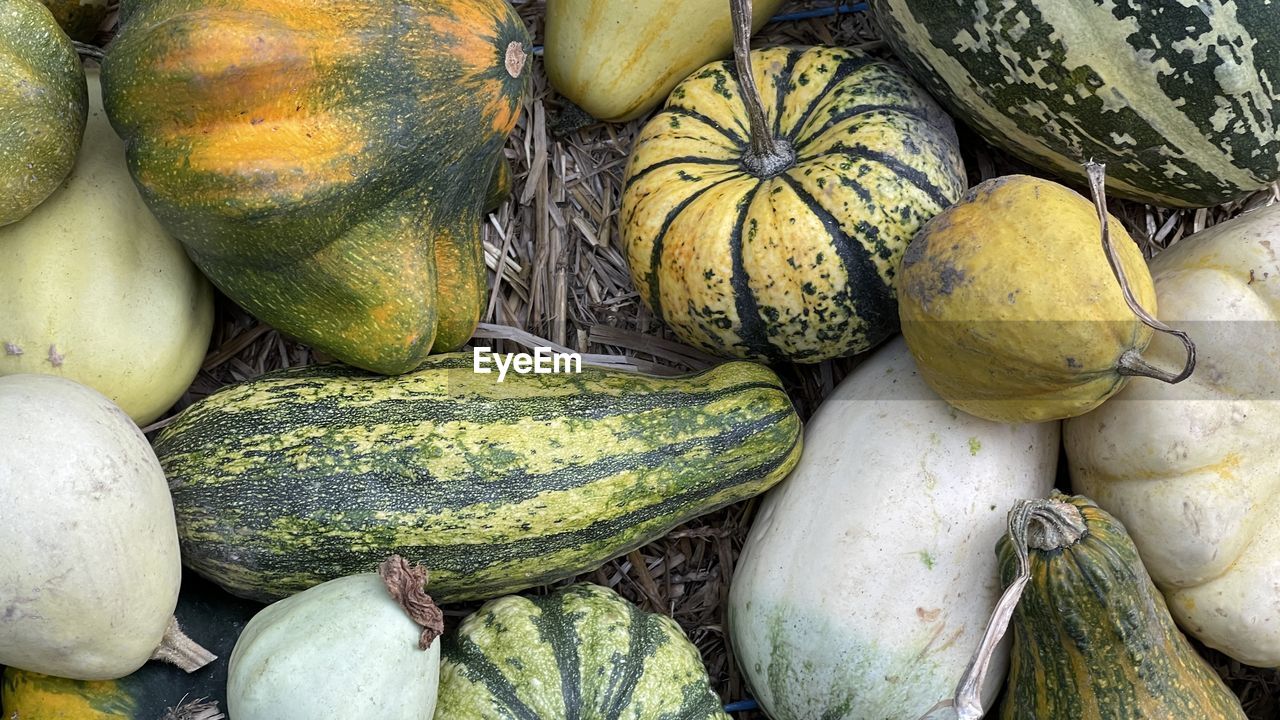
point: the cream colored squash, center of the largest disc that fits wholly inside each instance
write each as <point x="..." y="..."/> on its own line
<point x="618" y="59"/>
<point x="869" y="574"/>
<point x="92" y="289"/>
<point x="340" y="649"/>
<point x="1193" y="471"/>
<point x="89" y="571"/>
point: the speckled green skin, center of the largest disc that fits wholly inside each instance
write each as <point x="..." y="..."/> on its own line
<point x="1093" y="639"/>
<point x="309" y="474"/>
<point x="581" y="652"/>
<point x="1177" y="98"/>
<point x="44" y="104"/>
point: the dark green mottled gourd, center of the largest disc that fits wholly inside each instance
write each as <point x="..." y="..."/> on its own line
<point x="313" y="473"/>
<point x="1092" y="637"/>
<point x="44" y="104"/>
<point x="581" y="652"/>
<point x="1176" y="98"/>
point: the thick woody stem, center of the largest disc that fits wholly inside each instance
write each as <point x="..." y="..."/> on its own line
<point x="768" y="155"/>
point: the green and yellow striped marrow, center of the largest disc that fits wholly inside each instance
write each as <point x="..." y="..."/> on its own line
<point x="1092" y="637"/>
<point x="580" y="652"/>
<point x="793" y="259"/>
<point x="312" y="473"/>
<point x="1177" y="98"/>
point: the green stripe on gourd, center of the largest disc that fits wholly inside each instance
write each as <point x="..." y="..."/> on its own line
<point x="313" y="473"/>
<point x="581" y="652"/>
<point x="1178" y="99"/>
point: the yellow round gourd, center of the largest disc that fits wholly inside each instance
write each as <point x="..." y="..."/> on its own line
<point x="619" y="59"/>
<point x="94" y="290"/>
<point x="1010" y="308"/>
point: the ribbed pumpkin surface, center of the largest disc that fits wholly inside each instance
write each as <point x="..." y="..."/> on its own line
<point x="581" y="652"/>
<point x="1177" y="98"/>
<point x="800" y="265"/>
<point x="310" y="474"/>
<point x="44" y="104"/>
<point x="325" y="163"/>
<point x="1093" y="639"/>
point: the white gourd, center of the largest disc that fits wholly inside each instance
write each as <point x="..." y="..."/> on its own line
<point x="89" y="566"/>
<point x="341" y="649"/>
<point x="870" y="572"/>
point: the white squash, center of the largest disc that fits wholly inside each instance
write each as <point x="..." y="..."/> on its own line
<point x="92" y="289"/>
<point x="89" y="572"/>
<point x="340" y="649"/>
<point x="870" y="572"/>
<point x="1193" y="471"/>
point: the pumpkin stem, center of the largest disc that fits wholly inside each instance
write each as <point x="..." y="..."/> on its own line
<point x="1041" y="524"/>
<point x="407" y="584"/>
<point x="178" y="649"/>
<point x="768" y="156"/>
<point x="1131" y="363"/>
<point x="515" y="58"/>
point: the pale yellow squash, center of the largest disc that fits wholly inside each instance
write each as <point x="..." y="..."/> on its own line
<point x="617" y="59"/>
<point x="93" y="290"/>
<point x="1010" y="308"/>
<point x="1193" y="472"/>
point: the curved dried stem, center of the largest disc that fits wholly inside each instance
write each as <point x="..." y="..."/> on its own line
<point x="1132" y="363"/>
<point x="1041" y="524"/>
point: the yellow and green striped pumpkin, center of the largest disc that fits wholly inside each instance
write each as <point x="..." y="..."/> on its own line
<point x="325" y="163"/>
<point x="1177" y="98"/>
<point x="1092" y="637"/>
<point x="580" y="652"/>
<point x="796" y="264"/>
<point x="44" y="104"/>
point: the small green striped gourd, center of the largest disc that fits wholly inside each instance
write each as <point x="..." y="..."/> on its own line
<point x="581" y="652"/>
<point x="1092" y="637"/>
<point x="313" y="473"/>
<point x="1176" y="98"/>
<point x="796" y="263"/>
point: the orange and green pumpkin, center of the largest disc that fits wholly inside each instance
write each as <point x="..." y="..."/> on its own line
<point x="44" y="104"/>
<point x="325" y="163"/>
<point x="778" y="238"/>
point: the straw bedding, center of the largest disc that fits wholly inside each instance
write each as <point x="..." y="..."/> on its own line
<point x="558" y="277"/>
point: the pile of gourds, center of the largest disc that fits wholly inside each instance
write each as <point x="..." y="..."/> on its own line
<point x="327" y="166"/>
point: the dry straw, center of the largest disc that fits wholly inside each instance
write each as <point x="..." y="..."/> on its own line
<point x="558" y="276"/>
